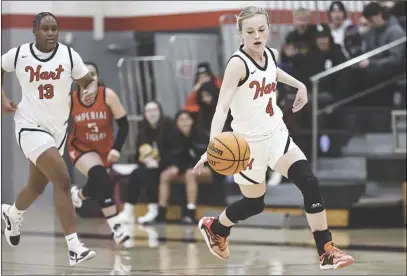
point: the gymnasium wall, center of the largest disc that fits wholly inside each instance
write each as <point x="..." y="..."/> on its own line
<point x="94" y="27"/>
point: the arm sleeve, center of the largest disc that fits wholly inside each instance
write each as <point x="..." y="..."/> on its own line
<point x="79" y="69"/>
<point x="8" y="59"/>
<point x="122" y="132"/>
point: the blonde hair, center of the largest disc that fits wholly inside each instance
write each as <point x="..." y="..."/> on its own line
<point x="250" y="12"/>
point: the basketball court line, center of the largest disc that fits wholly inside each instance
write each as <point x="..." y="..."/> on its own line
<point x="93" y="236"/>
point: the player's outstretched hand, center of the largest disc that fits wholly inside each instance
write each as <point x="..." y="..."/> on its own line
<point x="199" y="166"/>
<point x="301" y="99"/>
<point x="88" y="97"/>
<point x="8" y="106"/>
<point x="113" y="156"/>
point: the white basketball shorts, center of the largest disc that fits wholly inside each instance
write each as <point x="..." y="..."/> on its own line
<point x="34" y="140"/>
<point x="265" y="153"/>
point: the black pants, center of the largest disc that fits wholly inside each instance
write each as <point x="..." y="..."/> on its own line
<point x="142" y="176"/>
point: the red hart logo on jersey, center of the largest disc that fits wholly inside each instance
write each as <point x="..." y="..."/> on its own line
<point x="263" y="88"/>
<point x="46" y="75"/>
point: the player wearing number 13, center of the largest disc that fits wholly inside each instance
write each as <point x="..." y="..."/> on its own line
<point x="45" y="69"/>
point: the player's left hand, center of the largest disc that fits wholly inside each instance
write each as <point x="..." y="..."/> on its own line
<point x="113" y="156"/>
<point x="88" y="97"/>
<point x="199" y="166"/>
<point x="301" y="99"/>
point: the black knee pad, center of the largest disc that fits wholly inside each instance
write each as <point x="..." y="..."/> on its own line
<point x="301" y="174"/>
<point x="100" y="186"/>
<point x="245" y="208"/>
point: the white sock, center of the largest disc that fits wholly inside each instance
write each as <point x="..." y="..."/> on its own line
<point x="14" y="212"/>
<point x="191" y="206"/>
<point x="72" y="240"/>
<point x="128" y="209"/>
<point x="112" y="221"/>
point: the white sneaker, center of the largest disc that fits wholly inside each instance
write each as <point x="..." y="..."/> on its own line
<point x="149" y="217"/>
<point x="80" y="254"/>
<point x="12" y="230"/>
<point x="76" y="199"/>
<point x="120" y="234"/>
<point x="126" y="218"/>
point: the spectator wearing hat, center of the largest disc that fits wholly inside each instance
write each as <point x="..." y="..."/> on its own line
<point x="203" y="74"/>
<point x="324" y="55"/>
<point x="344" y="32"/>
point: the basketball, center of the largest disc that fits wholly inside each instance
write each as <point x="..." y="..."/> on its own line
<point x="228" y="153"/>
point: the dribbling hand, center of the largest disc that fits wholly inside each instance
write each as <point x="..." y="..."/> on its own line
<point x="301" y="99"/>
<point x="8" y="106"/>
<point x="88" y="97"/>
<point x="199" y="166"/>
<point x="113" y="156"/>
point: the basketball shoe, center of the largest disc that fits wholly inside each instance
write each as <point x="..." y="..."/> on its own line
<point x="76" y="199"/>
<point x="79" y="254"/>
<point x="334" y="258"/>
<point x="13" y="224"/>
<point x="218" y="245"/>
<point x="120" y="234"/>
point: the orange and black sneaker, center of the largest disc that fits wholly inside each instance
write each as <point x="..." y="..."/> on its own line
<point x="334" y="258"/>
<point x="218" y="245"/>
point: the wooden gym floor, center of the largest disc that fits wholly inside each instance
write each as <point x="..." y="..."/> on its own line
<point x="180" y="250"/>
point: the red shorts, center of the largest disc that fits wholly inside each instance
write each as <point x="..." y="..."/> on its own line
<point x="75" y="152"/>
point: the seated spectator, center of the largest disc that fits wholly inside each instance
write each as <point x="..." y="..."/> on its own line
<point x="297" y="43"/>
<point x="345" y="33"/>
<point x="186" y="145"/>
<point x="203" y="74"/>
<point x="323" y="56"/>
<point x="207" y="98"/>
<point x="384" y="29"/>
<point x="150" y="140"/>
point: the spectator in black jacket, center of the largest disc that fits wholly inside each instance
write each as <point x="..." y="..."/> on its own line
<point x="185" y="146"/>
<point x="150" y="145"/>
<point x="323" y="56"/>
<point x="207" y="98"/>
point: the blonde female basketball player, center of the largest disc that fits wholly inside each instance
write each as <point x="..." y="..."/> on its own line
<point x="248" y="90"/>
<point x="45" y="70"/>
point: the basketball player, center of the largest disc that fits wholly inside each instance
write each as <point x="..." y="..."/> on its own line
<point x="92" y="148"/>
<point x="45" y="70"/>
<point x="248" y="90"/>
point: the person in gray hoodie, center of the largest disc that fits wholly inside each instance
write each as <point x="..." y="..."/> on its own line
<point x="384" y="29"/>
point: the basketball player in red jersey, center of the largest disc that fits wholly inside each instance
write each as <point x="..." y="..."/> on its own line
<point x="45" y="70"/>
<point x="248" y="89"/>
<point x="93" y="148"/>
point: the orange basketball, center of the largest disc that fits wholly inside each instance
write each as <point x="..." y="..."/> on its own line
<point x="228" y="153"/>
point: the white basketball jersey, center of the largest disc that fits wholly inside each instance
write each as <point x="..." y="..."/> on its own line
<point x="254" y="108"/>
<point x="46" y="85"/>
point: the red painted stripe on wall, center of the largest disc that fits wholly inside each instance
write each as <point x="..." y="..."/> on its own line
<point x="153" y="23"/>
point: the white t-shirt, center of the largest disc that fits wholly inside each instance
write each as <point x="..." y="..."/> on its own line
<point x="45" y="80"/>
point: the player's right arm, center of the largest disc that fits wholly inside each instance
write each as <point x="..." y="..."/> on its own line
<point x="235" y="71"/>
<point x="7" y="65"/>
